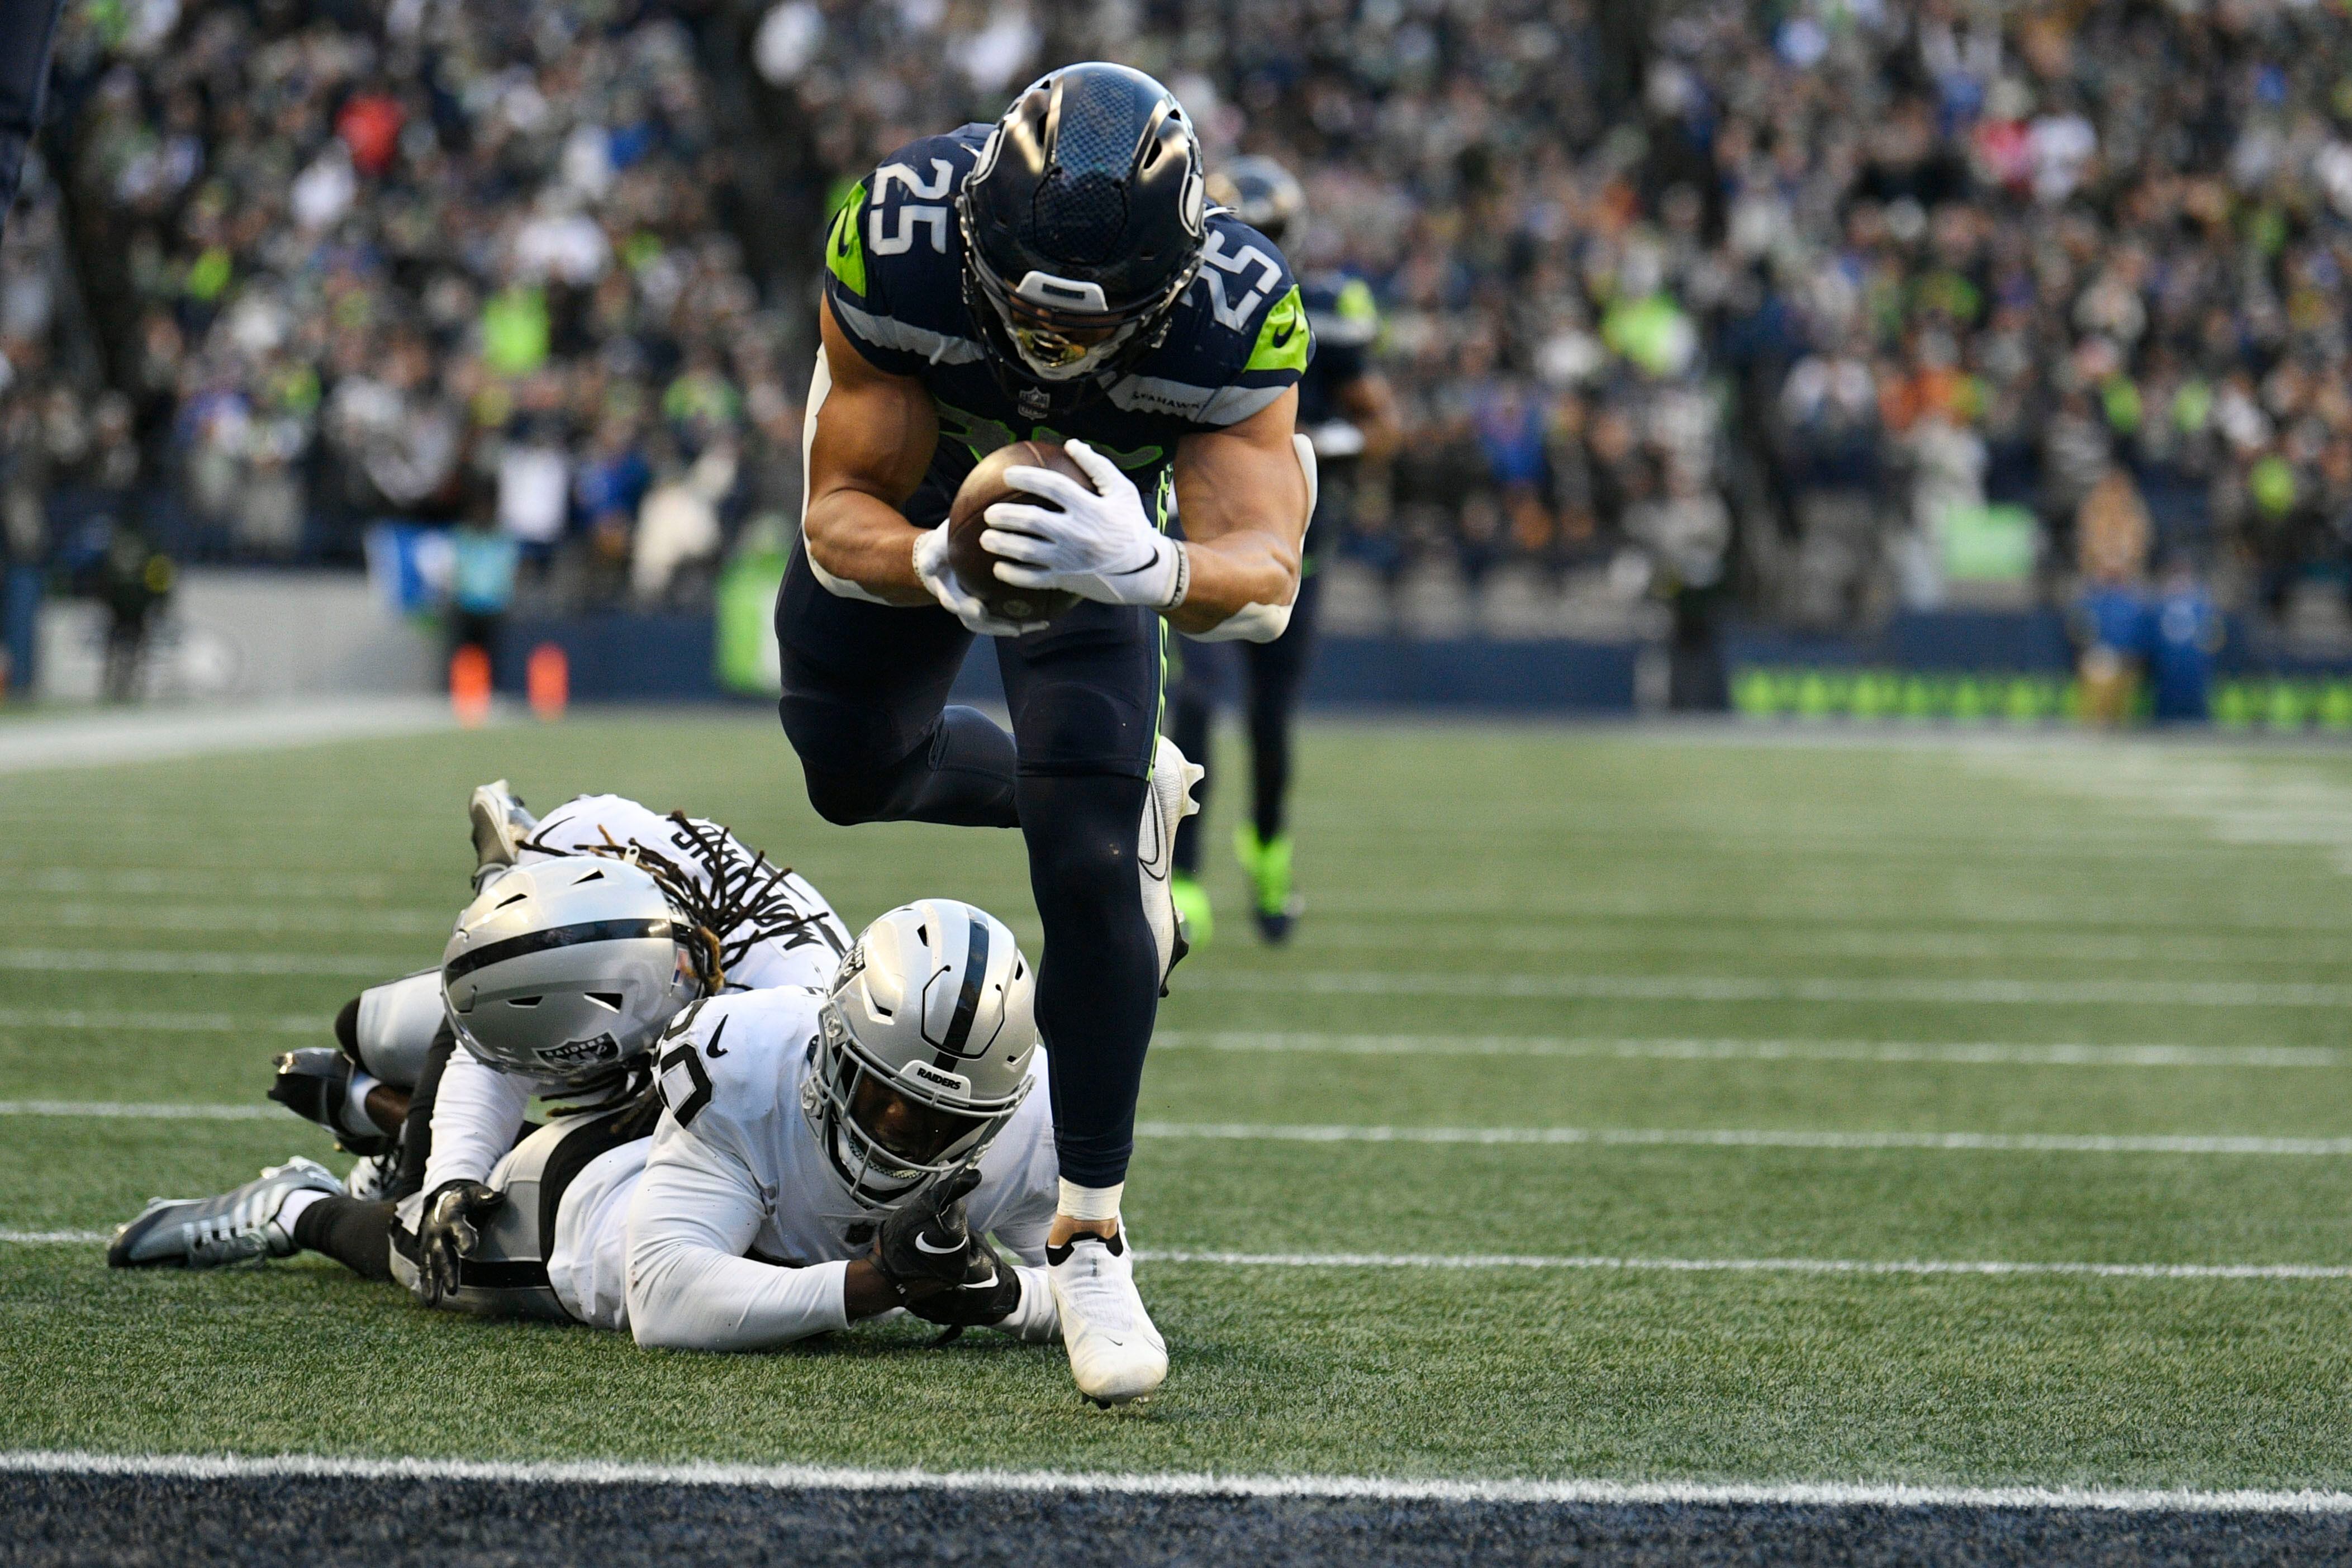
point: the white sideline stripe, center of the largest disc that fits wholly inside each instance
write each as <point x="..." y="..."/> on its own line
<point x="149" y="1110"/>
<point x="798" y="1477"/>
<point x="1671" y="1049"/>
<point x="174" y="1022"/>
<point x="149" y="960"/>
<point x="1750" y="1138"/>
<point x="1908" y="1267"/>
<point x="1561" y="987"/>
<point x="1276" y="1133"/>
<point x="1759" y="988"/>
<point x="105" y="739"/>
<point x="1993" y="1268"/>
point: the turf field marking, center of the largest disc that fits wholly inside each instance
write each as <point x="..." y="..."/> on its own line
<point x="1924" y="1267"/>
<point x="1760" y="988"/>
<point x="1750" y="1138"/>
<point x="54" y="1237"/>
<point x="139" y="1110"/>
<point x="145" y="881"/>
<point x="1606" y="1137"/>
<point x="106" y="739"/>
<point x="1329" y="982"/>
<point x="1720" y="1050"/>
<point x="1820" y="941"/>
<point x="800" y="1478"/>
<point x="265" y="921"/>
<point x="150" y="961"/>
<point x="170" y="1022"/>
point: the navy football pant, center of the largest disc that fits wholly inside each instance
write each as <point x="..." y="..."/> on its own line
<point x="864" y="705"/>
<point x="1272" y="675"/>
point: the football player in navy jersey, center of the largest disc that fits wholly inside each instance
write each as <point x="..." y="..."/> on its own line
<point x="1350" y="414"/>
<point x="1057" y="276"/>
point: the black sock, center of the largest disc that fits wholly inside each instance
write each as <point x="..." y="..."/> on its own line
<point x="355" y="1234"/>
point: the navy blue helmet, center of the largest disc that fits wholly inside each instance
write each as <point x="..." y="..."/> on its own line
<point x="1261" y="192"/>
<point x="1083" y="222"/>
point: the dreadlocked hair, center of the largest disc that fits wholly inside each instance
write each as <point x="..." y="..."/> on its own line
<point x="744" y="901"/>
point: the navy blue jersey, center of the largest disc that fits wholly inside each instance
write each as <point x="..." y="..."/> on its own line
<point x="1345" y="321"/>
<point x="894" y="277"/>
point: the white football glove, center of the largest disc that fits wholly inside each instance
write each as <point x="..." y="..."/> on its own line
<point x="1099" y="545"/>
<point x="931" y="569"/>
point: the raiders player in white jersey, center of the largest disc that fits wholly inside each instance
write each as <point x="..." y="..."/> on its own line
<point x="396" y="1050"/>
<point x="816" y="1156"/>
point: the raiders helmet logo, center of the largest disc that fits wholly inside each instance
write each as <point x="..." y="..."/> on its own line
<point x="573" y="1053"/>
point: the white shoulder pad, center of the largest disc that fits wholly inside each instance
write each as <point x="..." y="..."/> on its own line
<point x="729" y="1070"/>
<point x="820" y="383"/>
<point x="1264" y="622"/>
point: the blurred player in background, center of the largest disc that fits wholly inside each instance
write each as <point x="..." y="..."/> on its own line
<point x="1057" y="275"/>
<point x="1347" y="410"/>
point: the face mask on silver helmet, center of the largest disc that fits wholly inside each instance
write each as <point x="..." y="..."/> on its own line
<point x="568" y="969"/>
<point x="923" y="1049"/>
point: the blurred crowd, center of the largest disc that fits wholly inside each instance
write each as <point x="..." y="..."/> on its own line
<point x="1817" y="307"/>
<point x="425" y="263"/>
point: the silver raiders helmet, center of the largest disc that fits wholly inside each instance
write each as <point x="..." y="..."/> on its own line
<point x="564" y="970"/>
<point x="924" y="1048"/>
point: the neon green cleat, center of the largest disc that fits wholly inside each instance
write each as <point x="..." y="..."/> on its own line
<point x="1192" y="909"/>
<point x="1277" y="904"/>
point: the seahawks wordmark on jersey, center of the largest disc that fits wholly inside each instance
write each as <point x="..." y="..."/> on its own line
<point x="894" y="278"/>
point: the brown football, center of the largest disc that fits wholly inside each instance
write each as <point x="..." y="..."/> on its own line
<point x="968" y="518"/>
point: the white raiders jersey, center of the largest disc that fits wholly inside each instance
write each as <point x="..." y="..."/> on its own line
<point x="791" y="938"/>
<point x="737" y="1182"/>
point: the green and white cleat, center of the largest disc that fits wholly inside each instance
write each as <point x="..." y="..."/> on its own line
<point x="237" y="1226"/>
<point x="1275" y="901"/>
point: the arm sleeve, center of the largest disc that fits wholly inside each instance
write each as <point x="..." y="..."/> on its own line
<point x="476" y="1116"/>
<point x="690" y="1286"/>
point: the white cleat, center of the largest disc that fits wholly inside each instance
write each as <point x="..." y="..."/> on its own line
<point x="1167" y="803"/>
<point x="500" y="824"/>
<point x="1116" y="1354"/>
<point x="238" y="1226"/>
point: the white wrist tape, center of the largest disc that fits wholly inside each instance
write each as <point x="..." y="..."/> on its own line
<point x="1089" y="1203"/>
<point x="355" y="1110"/>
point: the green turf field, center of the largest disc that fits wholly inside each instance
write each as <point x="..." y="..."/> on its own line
<point x="1644" y="937"/>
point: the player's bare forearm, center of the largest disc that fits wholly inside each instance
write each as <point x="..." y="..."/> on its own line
<point x="875" y="435"/>
<point x="1244" y="498"/>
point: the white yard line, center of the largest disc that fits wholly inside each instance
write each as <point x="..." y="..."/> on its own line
<point x="1973" y="1053"/>
<point x="167" y="1023"/>
<point x="99" y="740"/>
<point x="1607" y="1137"/>
<point x="266" y="919"/>
<point x="140" y="1110"/>
<point x="1765" y="988"/>
<point x="1376" y="1488"/>
<point x="1907" y="1266"/>
<point x="160" y="961"/>
<point x="1748" y="1138"/>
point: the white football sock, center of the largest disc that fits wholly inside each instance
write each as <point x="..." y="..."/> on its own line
<point x="1089" y="1203"/>
<point x="291" y="1209"/>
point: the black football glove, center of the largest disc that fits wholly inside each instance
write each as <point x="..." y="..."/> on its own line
<point x="929" y="1240"/>
<point x="448" y="1233"/>
<point x="315" y="1084"/>
<point x="989" y="1293"/>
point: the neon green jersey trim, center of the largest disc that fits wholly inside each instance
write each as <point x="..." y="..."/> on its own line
<point x="1282" y="338"/>
<point x="844" y="248"/>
